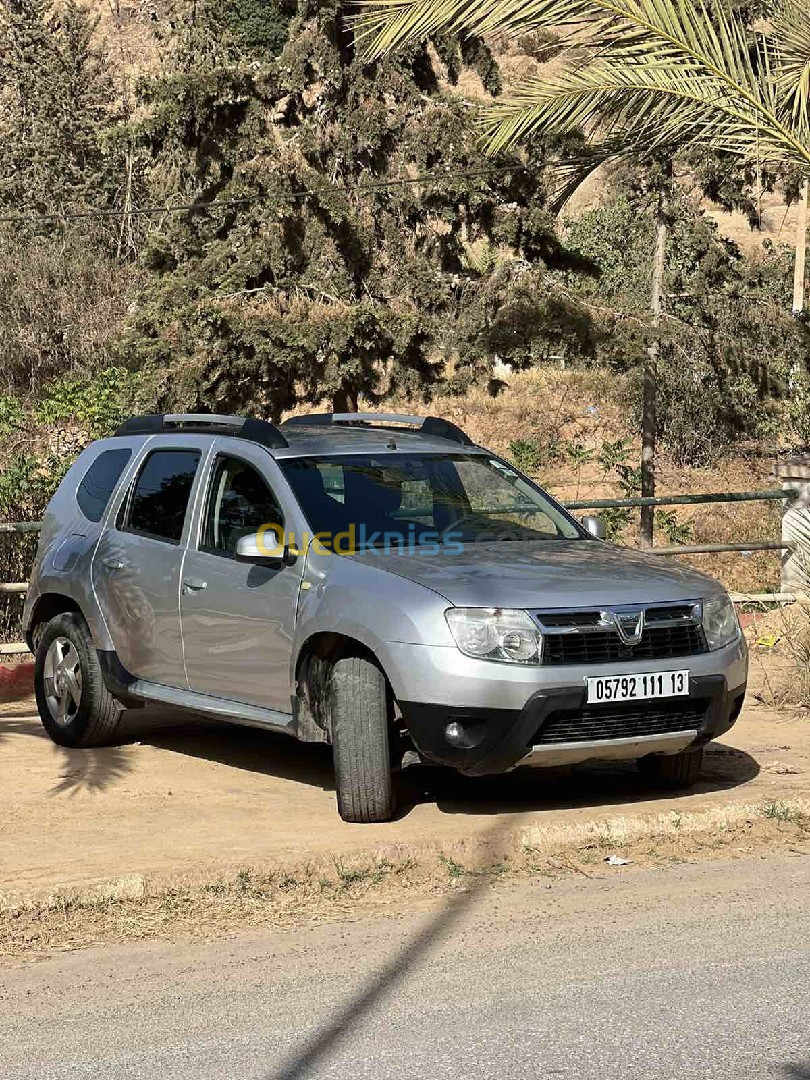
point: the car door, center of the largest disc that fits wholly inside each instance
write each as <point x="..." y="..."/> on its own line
<point x="136" y="566"/>
<point x="238" y="617"/>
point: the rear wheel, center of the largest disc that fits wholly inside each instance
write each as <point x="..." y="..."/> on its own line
<point x="76" y="708"/>
<point x="359" y="706"/>
<point x="672" y="771"/>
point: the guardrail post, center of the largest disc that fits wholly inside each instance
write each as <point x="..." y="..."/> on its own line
<point x="795" y="476"/>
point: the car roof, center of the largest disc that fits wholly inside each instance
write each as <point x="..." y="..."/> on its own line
<point x="317" y="440"/>
<point x="308" y="436"/>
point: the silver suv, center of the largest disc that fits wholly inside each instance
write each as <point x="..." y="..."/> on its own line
<point x="372" y="581"/>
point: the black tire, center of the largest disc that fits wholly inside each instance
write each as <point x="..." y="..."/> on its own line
<point x="673" y="771"/>
<point x="359" y="709"/>
<point x="94" y="720"/>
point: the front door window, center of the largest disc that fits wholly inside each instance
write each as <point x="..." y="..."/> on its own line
<point x="239" y="503"/>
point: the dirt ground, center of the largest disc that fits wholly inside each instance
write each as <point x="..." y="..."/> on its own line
<point x="210" y="799"/>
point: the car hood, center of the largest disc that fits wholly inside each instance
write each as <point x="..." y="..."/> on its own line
<point x="556" y="573"/>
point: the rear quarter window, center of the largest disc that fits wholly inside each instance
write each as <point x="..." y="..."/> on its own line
<point x="93" y="493"/>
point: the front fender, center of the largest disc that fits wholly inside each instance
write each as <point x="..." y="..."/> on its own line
<point x="374" y="607"/>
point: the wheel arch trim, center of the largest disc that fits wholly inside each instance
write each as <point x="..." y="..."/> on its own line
<point x="330" y="644"/>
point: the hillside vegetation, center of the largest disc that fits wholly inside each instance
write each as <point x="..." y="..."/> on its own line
<point x="217" y="205"/>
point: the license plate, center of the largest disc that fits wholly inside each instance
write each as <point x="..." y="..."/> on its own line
<point x="652" y="684"/>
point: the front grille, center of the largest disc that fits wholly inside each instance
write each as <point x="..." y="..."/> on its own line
<point x="605" y="646"/>
<point x="620" y="722"/>
<point x="667" y="614"/>
<point x="570" y="618"/>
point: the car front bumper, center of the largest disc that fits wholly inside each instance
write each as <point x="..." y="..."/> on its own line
<point x="501" y="710"/>
<point x="491" y="740"/>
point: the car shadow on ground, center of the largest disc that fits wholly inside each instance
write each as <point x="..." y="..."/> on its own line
<point x="528" y="789"/>
<point x="251" y="749"/>
<point x="524" y="790"/>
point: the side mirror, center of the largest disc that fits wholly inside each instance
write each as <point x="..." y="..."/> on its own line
<point x="252" y="548"/>
<point x="595" y="526"/>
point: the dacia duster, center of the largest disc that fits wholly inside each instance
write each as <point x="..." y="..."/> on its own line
<point x="372" y="581"/>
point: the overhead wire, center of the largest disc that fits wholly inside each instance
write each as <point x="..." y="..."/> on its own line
<point x="199" y="207"/>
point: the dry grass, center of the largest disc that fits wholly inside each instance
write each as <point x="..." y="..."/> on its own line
<point x="128" y="31"/>
<point x="780" y="655"/>
<point x="135" y="908"/>
<point x="539" y="404"/>
<point x="722" y="523"/>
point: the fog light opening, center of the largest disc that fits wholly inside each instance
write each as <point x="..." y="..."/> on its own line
<point x="463" y="738"/>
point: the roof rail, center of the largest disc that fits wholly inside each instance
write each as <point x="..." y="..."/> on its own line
<point x="427" y="425"/>
<point x="258" y="431"/>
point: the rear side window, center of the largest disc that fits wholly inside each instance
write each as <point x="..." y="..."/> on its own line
<point x="99" y="483"/>
<point x="158" y="502"/>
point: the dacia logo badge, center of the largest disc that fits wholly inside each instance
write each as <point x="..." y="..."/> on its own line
<point x="629" y="626"/>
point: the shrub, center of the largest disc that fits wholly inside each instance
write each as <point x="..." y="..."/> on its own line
<point x="62" y="302"/>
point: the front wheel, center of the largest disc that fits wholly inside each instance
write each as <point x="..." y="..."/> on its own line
<point x="359" y="706"/>
<point x="76" y="708"/>
<point x="672" y="771"/>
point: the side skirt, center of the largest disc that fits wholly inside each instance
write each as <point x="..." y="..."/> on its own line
<point x="235" y="712"/>
<point x="133" y="692"/>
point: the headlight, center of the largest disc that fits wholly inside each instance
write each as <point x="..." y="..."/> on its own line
<point x="496" y="634"/>
<point x="720" y="623"/>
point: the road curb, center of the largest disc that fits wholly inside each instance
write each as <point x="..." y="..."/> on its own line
<point x="16" y="680"/>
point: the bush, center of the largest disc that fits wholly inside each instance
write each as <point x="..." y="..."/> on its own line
<point x="729" y="343"/>
<point x="39" y="442"/>
<point x="62" y="303"/>
<point x="798" y="410"/>
<point x="701" y="409"/>
<point x="97" y="403"/>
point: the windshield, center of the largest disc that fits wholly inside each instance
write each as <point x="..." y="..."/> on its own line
<point x="424" y="498"/>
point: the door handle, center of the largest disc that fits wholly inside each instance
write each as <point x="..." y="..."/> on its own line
<point x="114" y="564"/>
<point x="191" y="585"/>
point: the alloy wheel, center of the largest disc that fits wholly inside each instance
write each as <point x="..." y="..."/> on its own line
<point x="62" y="676"/>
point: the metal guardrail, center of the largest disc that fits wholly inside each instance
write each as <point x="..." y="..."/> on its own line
<point x="682" y="500"/>
<point x="600" y="504"/>
<point x="708" y="549"/>
<point x="767" y="598"/>
<point x="21" y="527"/>
<point x="783" y="495"/>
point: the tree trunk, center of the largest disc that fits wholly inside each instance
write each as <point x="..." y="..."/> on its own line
<point x="801" y="249"/>
<point x="650" y="375"/>
<point x="345" y="400"/>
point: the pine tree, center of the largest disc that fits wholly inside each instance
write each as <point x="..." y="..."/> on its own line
<point x="343" y="291"/>
<point x="62" y="292"/>
<point x="55" y="109"/>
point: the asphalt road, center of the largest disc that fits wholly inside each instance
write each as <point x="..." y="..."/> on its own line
<point x="693" y="971"/>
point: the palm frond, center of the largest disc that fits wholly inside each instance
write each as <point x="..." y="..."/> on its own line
<point x="646" y="108"/>
<point x="791" y="36"/>
<point x="659" y="71"/>
<point x="383" y="25"/>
